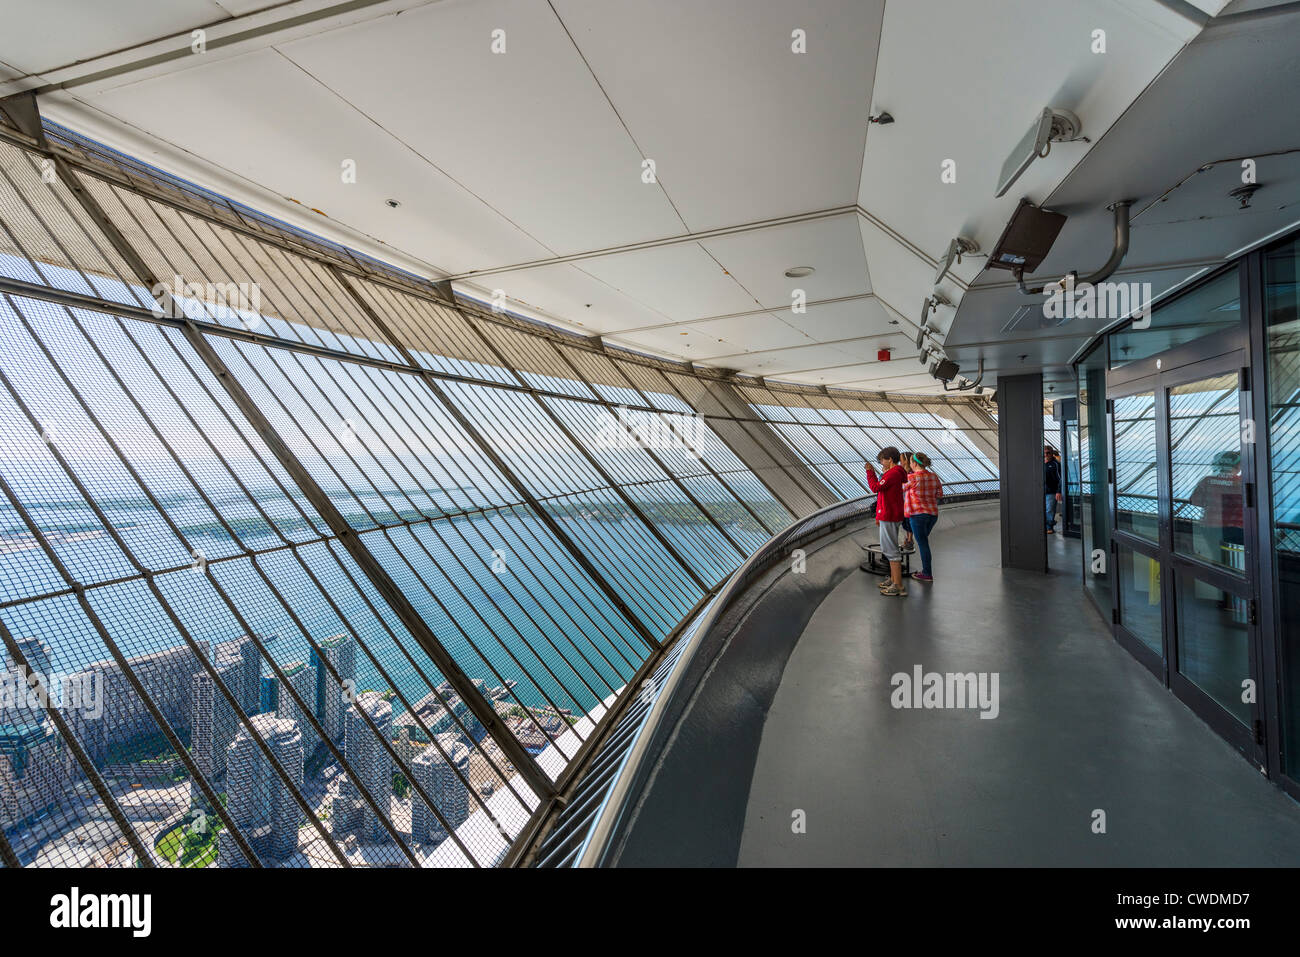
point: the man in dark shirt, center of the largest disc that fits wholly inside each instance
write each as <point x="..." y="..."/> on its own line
<point x="1051" y="486"/>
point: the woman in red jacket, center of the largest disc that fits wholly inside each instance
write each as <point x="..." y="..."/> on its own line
<point x="889" y="514"/>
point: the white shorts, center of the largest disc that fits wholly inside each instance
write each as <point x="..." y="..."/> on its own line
<point x="889" y="541"/>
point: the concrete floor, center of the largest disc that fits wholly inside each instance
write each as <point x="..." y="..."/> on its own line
<point x="1081" y="728"/>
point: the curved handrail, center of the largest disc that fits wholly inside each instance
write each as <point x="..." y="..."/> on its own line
<point x="633" y="767"/>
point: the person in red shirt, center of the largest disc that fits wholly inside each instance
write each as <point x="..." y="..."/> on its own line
<point x="921" y="497"/>
<point x="889" y="514"/>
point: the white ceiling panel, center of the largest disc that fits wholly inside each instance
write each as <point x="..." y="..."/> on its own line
<point x="740" y="127"/>
<point x="565" y="294"/>
<point x="683" y="343"/>
<point x="81" y="29"/>
<point x="756" y="333"/>
<point x="698" y="287"/>
<point x="836" y="321"/>
<point x="283" y="146"/>
<point x="759" y="258"/>
<point x="528" y="130"/>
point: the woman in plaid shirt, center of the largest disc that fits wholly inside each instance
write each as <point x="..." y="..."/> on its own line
<point x="921" y="507"/>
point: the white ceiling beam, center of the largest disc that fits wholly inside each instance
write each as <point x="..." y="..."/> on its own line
<point x="227" y="38"/>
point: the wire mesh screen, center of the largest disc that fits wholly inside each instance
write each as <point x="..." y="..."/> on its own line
<point x="303" y="563"/>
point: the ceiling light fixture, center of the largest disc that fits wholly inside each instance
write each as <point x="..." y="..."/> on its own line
<point x="1051" y="126"/>
<point x="393" y="203"/>
<point x="798" y="272"/>
<point x="961" y="246"/>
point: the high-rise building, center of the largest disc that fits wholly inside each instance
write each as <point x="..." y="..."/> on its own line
<point x="449" y="791"/>
<point x="372" y="768"/>
<point x="166" y="676"/>
<point x="34" y="771"/>
<point x="213" y="722"/>
<point x="257" y="801"/>
<point x="37" y="654"/>
<point x="35" y="651"/>
<point x="302" y="678"/>
<point x="331" y="695"/>
<point x="243" y="653"/>
<point x="270" y="693"/>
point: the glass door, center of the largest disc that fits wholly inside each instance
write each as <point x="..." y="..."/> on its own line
<point x="1183" y="546"/>
<point x="1214" y="604"/>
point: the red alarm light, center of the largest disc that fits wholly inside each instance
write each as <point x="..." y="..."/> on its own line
<point x="882" y="355"/>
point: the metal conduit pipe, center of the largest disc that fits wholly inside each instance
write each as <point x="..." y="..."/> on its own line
<point x="1117" y="254"/>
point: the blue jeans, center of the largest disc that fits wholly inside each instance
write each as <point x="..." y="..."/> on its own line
<point x="921" y="525"/>
<point x="1049" y="513"/>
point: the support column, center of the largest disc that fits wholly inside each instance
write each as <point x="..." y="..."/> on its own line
<point x="1020" y="472"/>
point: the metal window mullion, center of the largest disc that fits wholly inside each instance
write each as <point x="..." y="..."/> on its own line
<point x="262" y="463"/>
<point x="406" y="702"/>
<point x="306" y="288"/>
<point x="627" y="500"/>
<point x="440" y="394"/>
<point x="420" y="402"/>
<point x="65" y="732"/>
<point x="428" y="681"/>
<point x="383" y="814"/>
<point x="605" y="477"/>
<point x="542" y="581"/>
<point x="350" y="539"/>
<point x="670" y="477"/>
<point x="611" y="725"/>
<point x="398" y="492"/>
<point x="182" y="753"/>
<point x="661" y="561"/>
<point x="404" y="421"/>
<point x="662" y="592"/>
<point x="324" y="506"/>
<point x="40" y="222"/>
<point x="293" y="789"/>
<point x="390" y="412"/>
<point x="324" y="459"/>
<point x="142" y="571"/>
<point x="470" y="604"/>
<point x="114" y="235"/>
<point x="528" y="534"/>
<point x="740" y="458"/>
<point x="543" y="632"/>
<point x="487" y="629"/>
<point x="464" y="633"/>
<point x="761" y="432"/>
<point x="153" y="427"/>
<point x="232" y="258"/>
<point x="72" y="260"/>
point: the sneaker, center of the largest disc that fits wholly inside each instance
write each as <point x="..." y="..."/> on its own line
<point x="922" y="577"/>
<point x="894" y="591"/>
<point x="1051" y="531"/>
